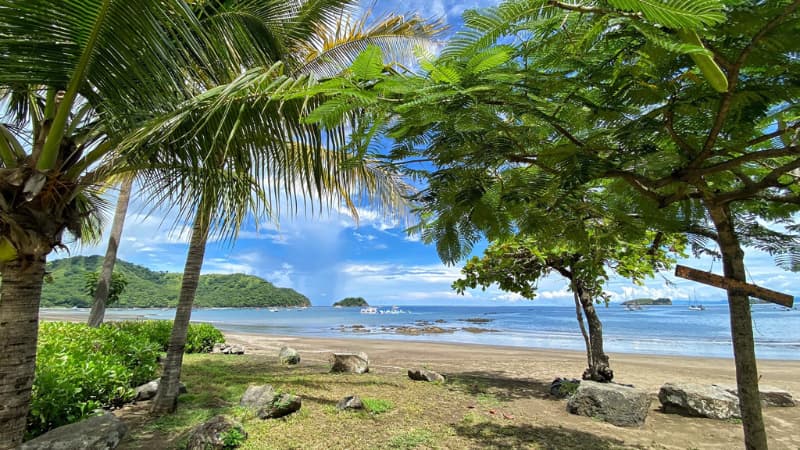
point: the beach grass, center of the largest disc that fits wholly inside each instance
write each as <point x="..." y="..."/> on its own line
<point x="400" y="414"/>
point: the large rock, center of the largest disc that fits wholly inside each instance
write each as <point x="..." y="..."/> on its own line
<point x="564" y="387"/>
<point x="350" y="402"/>
<point x="770" y="396"/>
<point x="95" y="433"/>
<point x="425" y="375"/>
<point x="699" y="401"/>
<point x="149" y="390"/>
<point x="268" y="404"/>
<point x="283" y="405"/>
<point x="212" y="434"/>
<point x="288" y="356"/>
<point x="619" y="405"/>
<point x="350" y="362"/>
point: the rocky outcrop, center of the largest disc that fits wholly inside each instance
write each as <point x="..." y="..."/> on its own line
<point x="698" y="400"/>
<point x="95" y="433"/>
<point x="350" y="362"/>
<point x="619" y="405"/>
<point x="212" y="434"/>
<point x="350" y="402"/>
<point x="149" y="390"/>
<point x="228" y="349"/>
<point x="770" y="396"/>
<point x="268" y="404"/>
<point x="564" y="387"/>
<point x="425" y="375"/>
<point x="288" y="356"/>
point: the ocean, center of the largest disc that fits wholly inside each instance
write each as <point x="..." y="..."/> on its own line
<point x="657" y="330"/>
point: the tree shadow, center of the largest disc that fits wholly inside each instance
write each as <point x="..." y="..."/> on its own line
<point x="495" y="435"/>
<point x="500" y="386"/>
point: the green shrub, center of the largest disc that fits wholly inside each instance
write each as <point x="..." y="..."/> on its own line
<point x="200" y="338"/>
<point x="80" y="369"/>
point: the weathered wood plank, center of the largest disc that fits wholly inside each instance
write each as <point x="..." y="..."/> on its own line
<point x="726" y="283"/>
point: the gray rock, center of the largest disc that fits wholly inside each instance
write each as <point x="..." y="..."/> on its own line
<point x="350" y="402"/>
<point x="148" y="390"/>
<point x="282" y="405"/>
<point x="258" y="397"/>
<point x="288" y="356"/>
<point x="425" y="375"/>
<point x="227" y="349"/>
<point x="699" y="401"/>
<point x="619" y="405"/>
<point x="564" y="387"/>
<point x="770" y="396"/>
<point x="95" y="433"/>
<point x="211" y="434"/>
<point x="350" y="362"/>
<point x="268" y="404"/>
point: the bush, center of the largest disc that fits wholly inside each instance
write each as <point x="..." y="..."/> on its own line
<point x="200" y="338"/>
<point x="377" y="405"/>
<point x="80" y="369"/>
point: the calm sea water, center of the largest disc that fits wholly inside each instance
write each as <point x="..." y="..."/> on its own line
<point x="660" y="330"/>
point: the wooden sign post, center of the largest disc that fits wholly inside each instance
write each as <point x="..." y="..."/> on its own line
<point x="726" y="283"/>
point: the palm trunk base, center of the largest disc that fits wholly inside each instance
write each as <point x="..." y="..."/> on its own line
<point x="19" y="327"/>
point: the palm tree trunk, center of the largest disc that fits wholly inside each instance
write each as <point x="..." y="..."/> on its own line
<point x="599" y="368"/>
<point x="166" y="400"/>
<point x="104" y="280"/>
<point x="744" y="352"/>
<point x="20" y="293"/>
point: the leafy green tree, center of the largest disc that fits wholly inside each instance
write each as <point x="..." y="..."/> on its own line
<point x="687" y="109"/>
<point x="517" y="265"/>
<point x="118" y="284"/>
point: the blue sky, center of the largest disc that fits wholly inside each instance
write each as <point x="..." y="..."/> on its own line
<point x="329" y="257"/>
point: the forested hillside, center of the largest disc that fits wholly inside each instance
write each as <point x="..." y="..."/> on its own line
<point x="146" y="288"/>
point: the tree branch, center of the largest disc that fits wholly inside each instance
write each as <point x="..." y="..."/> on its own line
<point x="755" y="156"/>
<point x="770" y="180"/>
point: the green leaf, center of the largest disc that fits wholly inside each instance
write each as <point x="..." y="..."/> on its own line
<point x="676" y="14"/>
<point x="369" y="64"/>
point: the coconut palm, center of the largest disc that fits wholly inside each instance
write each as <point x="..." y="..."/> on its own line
<point x="304" y="39"/>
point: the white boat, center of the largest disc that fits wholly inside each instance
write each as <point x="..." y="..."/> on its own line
<point x="369" y="310"/>
<point x="697" y="308"/>
<point x="394" y="310"/>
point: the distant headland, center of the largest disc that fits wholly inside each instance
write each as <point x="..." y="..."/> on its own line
<point x="648" y="302"/>
<point x="351" y="302"/>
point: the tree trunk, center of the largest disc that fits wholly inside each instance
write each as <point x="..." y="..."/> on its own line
<point x="579" y="315"/>
<point x="166" y="400"/>
<point x="599" y="368"/>
<point x="104" y="280"/>
<point x="20" y="293"/>
<point x="744" y="353"/>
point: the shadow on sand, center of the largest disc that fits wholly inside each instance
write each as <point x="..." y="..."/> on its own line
<point x="501" y="436"/>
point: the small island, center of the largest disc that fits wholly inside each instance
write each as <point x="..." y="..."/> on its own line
<point x="351" y="302"/>
<point x="648" y="302"/>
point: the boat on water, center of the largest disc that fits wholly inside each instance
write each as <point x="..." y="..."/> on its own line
<point x="273" y="310"/>
<point x="394" y="310"/>
<point x="697" y="308"/>
<point x="369" y="310"/>
<point x="633" y="307"/>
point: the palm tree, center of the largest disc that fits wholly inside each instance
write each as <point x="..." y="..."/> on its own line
<point x="315" y="40"/>
<point x="75" y="61"/>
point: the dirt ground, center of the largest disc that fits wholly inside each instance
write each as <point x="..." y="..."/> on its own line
<point x="521" y="377"/>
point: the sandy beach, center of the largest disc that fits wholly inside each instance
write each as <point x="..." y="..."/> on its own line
<point x="521" y="378"/>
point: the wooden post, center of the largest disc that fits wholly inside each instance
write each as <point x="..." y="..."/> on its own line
<point x="728" y="284"/>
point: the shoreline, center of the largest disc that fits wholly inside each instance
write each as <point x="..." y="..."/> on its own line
<point x="81" y="315"/>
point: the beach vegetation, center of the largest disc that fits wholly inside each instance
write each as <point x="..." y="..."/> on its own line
<point x="412" y="439"/>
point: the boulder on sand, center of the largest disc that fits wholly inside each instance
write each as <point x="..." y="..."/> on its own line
<point x="95" y="433"/>
<point x="350" y="402"/>
<point x="616" y="404"/>
<point x="698" y="400"/>
<point x="149" y="390"/>
<point x="288" y="356"/>
<point x="770" y="396"/>
<point x="268" y="404"/>
<point x="425" y="375"/>
<point x="210" y="435"/>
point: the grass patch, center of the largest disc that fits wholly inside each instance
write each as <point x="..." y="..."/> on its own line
<point x="412" y="439"/>
<point x="377" y="405"/>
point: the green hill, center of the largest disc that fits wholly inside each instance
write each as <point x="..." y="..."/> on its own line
<point x="147" y="288"/>
<point x="351" y="302"/>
